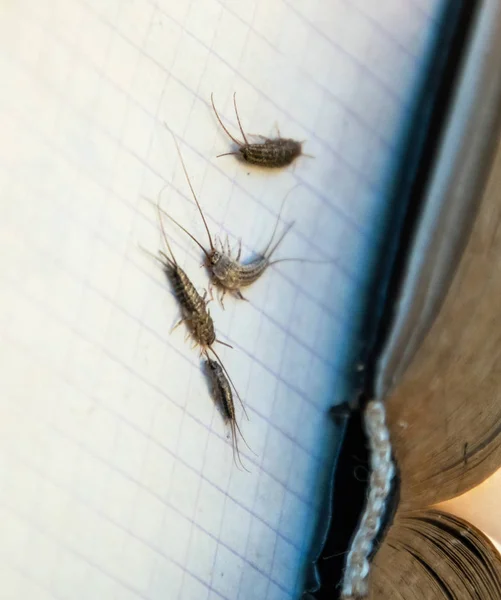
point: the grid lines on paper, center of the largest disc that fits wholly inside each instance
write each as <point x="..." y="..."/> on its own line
<point x="116" y="474"/>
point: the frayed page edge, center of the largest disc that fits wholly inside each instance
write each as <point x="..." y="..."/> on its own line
<point x="356" y="574"/>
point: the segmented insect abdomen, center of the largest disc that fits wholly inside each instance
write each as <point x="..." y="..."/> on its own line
<point x="202" y="328"/>
<point x="232" y="275"/>
<point x="221" y="390"/>
<point x="272" y="153"/>
<point x="193" y="307"/>
<point x="253" y="271"/>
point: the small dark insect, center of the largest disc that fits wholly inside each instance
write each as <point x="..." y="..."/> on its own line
<point x="194" y="311"/>
<point x="223" y="397"/>
<point x="271" y="153"/>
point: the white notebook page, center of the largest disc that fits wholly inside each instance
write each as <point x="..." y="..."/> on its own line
<point x="116" y="472"/>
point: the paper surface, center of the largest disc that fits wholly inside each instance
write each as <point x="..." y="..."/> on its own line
<point x="116" y="471"/>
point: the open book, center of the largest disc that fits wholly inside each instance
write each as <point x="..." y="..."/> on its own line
<point x="444" y="420"/>
<point x="116" y="470"/>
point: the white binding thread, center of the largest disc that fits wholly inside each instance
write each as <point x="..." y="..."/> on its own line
<point x="355" y="582"/>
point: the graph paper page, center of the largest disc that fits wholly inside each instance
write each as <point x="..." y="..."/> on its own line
<point x="117" y="478"/>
